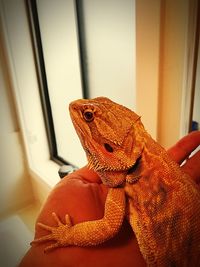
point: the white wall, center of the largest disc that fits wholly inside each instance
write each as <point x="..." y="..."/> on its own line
<point x="15" y="189"/>
<point x="110" y="49"/>
<point x="147" y="62"/>
<point x="162" y="53"/>
<point x="174" y="53"/>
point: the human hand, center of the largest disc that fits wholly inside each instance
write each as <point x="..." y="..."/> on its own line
<point x="181" y="151"/>
<point x="82" y="195"/>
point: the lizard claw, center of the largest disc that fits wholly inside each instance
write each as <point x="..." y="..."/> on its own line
<point x="68" y="220"/>
<point x="42" y="239"/>
<point x="48" y="248"/>
<point x="58" y="233"/>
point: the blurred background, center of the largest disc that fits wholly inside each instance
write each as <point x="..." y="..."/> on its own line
<point x="142" y="54"/>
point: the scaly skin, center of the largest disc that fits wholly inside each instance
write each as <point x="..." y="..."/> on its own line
<point x="162" y="203"/>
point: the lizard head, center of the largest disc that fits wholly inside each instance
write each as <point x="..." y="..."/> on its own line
<point x="108" y="133"/>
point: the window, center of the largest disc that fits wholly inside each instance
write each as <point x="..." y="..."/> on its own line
<point x="104" y="59"/>
<point x="78" y="50"/>
<point x="54" y="36"/>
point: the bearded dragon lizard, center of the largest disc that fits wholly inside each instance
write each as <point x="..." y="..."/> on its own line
<point x="161" y="202"/>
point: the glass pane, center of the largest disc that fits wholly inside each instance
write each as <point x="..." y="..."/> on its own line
<point x="110" y="46"/>
<point x="60" y="47"/>
<point x="109" y="51"/>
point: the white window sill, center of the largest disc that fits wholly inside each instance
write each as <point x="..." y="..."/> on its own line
<point x="46" y="171"/>
<point x="26" y="94"/>
<point x="44" y="177"/>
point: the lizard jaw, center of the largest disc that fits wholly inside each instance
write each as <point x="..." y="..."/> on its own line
<point x="93" y="163"/>
<point x="113" y="177"/>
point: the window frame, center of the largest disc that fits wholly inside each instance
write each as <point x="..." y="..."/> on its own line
<point x="22" y="75"/>
<point x="34" y="25"/>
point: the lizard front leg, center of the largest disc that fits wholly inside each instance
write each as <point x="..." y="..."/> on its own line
<point x="91" y="232"/>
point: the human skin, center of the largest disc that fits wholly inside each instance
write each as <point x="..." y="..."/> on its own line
<point x="82" y="196"/>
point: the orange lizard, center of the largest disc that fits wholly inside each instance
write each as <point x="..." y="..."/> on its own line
<point x="161" y="202"/>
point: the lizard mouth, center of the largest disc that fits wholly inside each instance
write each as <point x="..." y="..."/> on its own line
<point x="112" y="177"/>
<point x="134" y="166"/>
<point x="113" y="183"/>
<point x="94" y="163"/>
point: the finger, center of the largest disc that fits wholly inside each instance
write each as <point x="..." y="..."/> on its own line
<point x="55" y="245"/>
<point x="44" y="226"/>
<point x="68" y="220"/>
<point x="192" y="167"/>
<point x="54" y="215"/>
<point x="42" y="239"/>
<point x="184" y="147"/>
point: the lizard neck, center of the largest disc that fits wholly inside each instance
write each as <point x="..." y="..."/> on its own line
<point x="151" y="177"/>
<point x="153" y="153"/>
<point x="153" y="164"/>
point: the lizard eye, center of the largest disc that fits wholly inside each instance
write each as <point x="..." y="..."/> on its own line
<point x="88" y="115"/>
<point x="108" y="148"/>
